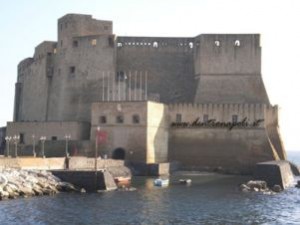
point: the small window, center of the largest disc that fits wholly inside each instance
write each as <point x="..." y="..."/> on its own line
<point x="54" y="138"/>
<point x="49" y="53"/>
<point x="120" y="119"/>
<point x="61" y="43"/>
<point x="94" y="42"/>
<point x="22" y="138"/>
<point x="61" y="26"/>
<point x="217" y="43"/>
<point x="136" y="119"/>
<point x="119" y="45"/>
<point x="75" y="44"/>
<point x="155" y="44"/>
<point x="178" y="118"/>
<point x="205" y="118"/>
<point x="54" y="51"/>
<point x="237" y="43"/>
<point x="106" y="27"/>
<point x="234" y="118"/>
<point x="72" y="69"/>
<point x="121" y="76"/>
<point x="102" y="119"/>
<point x="191" y="45"/>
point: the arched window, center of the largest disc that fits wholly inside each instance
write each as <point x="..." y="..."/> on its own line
<point x="217" y="43"/>
<point x="155" y="44"/>
<point x="237" y="43"/>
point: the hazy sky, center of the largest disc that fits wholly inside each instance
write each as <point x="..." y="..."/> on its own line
<point x="24" y="24"/>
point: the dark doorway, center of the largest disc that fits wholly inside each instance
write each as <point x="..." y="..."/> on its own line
<point x="118" y="153"/>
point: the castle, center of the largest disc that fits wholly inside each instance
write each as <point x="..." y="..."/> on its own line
<point x="200" y="101"/>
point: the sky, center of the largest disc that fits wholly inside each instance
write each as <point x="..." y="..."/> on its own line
<point x="24" y="24"/>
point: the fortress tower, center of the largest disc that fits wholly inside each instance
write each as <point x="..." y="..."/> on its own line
<point x="228" y="69"/>
<point x="141" y="86"/>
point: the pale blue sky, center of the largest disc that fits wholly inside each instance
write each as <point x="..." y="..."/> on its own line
<point x="24" y="24"/>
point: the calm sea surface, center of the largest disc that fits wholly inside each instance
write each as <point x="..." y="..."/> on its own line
<point x="211" y="199"/>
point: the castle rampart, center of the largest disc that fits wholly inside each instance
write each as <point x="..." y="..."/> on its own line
<point x="211" y="109"/>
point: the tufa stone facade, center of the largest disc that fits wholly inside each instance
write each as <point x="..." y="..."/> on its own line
<point x="157" y="99"/>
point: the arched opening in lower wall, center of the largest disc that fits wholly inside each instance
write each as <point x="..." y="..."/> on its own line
<point x="118" y="153"/>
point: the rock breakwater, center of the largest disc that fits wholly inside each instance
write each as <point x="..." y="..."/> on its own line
<point x="25" y="183"/>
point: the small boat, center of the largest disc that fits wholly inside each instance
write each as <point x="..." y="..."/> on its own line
<point x="185" y="181"/>
<point x="122" y="179"/>
<point x="161" y="182"/>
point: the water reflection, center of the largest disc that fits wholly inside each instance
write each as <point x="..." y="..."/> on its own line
<point x="209" y="200"/>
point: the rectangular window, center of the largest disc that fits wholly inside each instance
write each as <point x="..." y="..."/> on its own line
<point x="22" y="138"/>
<point x="135" y="119"/>
<point x="61" y="43"/>
<point x="178" y="118"/>
<point x="75" y="44"/>
<point x="54" y="51"/>
<point x="72" y="69"/>
<point x="54" y="138"/>
<point x="205" y="118"/>
<point x="102" y="119"/>
<point x="120" y="119"/>
<point x="94" y="42"/>
<point x="234" y="118"/>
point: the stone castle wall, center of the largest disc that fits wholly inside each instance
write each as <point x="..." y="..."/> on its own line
<point x="237" y="149"/>
<point x="217" y="76"/>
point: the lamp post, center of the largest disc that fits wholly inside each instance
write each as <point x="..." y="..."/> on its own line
<point x="33" y="146"/>
<point x="96" y="147"/>
<point x="43" y="139"/>
<point x="16" y="139"/>
<point x="7" y="139"/>
<point x="67" y="137"/>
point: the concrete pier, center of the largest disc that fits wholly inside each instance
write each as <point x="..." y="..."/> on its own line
<point x="89" y="180"/>
<point x="274" y="173"/>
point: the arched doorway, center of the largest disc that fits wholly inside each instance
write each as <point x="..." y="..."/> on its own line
<point x="118" y="153"/>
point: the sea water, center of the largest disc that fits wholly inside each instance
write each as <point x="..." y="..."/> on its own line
<point x="211" y="199"/>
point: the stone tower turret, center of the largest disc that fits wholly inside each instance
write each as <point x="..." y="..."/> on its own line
<point x="228" y="69"/>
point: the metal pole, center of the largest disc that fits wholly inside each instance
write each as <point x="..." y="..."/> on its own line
<point x="7" y="139"/>
<point x="66" y="147"/>
<point x="113" y="86"/>
<point x="108" y="89"/>
<point x="135" y="77"/>
<point x="43" y="150"/>
<point x="141" y="80"/>
<point x="103" y="86"/>
<point x="16" y="148"/>
<point x="129" y="86"/>
<point x="33" y="146"/>
<point x="119" y="87"/>
<point x="146" y="86"/>
<point x="7" y="148"/>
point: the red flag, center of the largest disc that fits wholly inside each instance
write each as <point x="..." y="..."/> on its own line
<point x="101" y="136"/>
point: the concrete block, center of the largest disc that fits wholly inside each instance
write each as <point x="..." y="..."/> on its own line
<point x="274" y="173"/>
